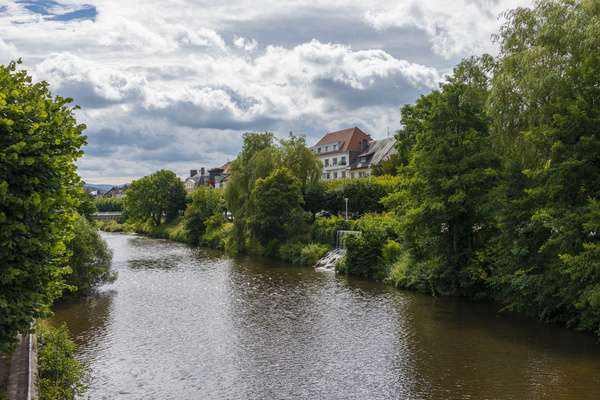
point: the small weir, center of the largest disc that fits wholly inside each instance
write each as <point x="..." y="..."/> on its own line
<point x="329" y="260"/>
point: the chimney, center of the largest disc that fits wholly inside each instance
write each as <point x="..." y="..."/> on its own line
<point x="364" y="145"/>
<point x="202" y="171"/>
<point x="193" y="172"/>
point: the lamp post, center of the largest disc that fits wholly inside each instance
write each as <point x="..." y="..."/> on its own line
<point x="346" y="200"/>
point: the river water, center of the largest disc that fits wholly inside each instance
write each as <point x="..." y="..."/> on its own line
<point x="188" y="323"/>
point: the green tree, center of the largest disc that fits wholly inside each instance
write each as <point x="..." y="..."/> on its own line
<point x="546" y="117"/>
<point x="278" y="200"/>
<point x="39" y="140"/>
<point x="90" y="258"/>
<point x="206" y="203"/>
<point x="260" y="156"/>
<point x="445" y="185"/>
<point x="152" y="196"/>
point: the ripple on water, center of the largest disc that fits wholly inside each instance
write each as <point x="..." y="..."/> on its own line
<point x="187" y="323"/>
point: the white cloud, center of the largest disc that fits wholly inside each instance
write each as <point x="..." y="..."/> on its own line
<point x="96" y="84"/>
<point x="453" y="27"/>
<point x="174" y="84"/>
<point x="245" y="44"/>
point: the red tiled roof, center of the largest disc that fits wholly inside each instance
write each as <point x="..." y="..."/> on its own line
<point x="350" y="137"/>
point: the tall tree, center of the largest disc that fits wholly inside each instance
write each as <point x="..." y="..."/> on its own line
<point x="261" y="155"/>
<point x="545" y="105"/>
<point x="279" y="215"/>
<point x="39" y="140"/>
<point x="446" y="181"/>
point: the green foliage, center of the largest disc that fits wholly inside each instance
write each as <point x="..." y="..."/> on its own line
<point x="217" y="233"/>
<point x="87" y="207"/>
<point x="298" y="252"/>
<point x="371" y="253"/>
<point x="363" y="254"/>
<point x="90" y="260"/>
<point x="324" y="230"/>
<point x="206" y="202"/>
<point x="109" y="204"/>
<point x="443" y="190"/>
<point x="279" y="215"/>
<point x="261" y="156"/>
<point x="61" y="376"/>
<point x="546" y="119"/>
<point x="39" y="141"/>
<point x="152" y="196"/>
<point x="389" y="166"/>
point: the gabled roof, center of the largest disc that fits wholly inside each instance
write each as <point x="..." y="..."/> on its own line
<point x="350" y="139"/>
<point x="374" y="154"/>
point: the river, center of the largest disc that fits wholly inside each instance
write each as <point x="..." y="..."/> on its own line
<point x="190" y="323"/>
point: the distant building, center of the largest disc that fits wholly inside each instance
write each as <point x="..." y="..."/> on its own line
<point x="337" y="150"/>
<point x="117" y="191"/>
<point x="195" y="180"/>
<point x="215" y="177"/>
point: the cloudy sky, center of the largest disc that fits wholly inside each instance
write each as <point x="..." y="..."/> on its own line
<point x="174" y="84"/>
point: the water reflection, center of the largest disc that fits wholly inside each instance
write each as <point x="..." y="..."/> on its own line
<point x="189" y="323"/>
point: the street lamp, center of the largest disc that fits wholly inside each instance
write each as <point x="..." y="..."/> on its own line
<point x="346" y="200"/>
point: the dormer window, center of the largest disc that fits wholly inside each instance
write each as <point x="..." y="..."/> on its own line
<point x="335" y="147"/>
<point x="363" y="159"/>
<point x="319" y="149"/>
<point x="326" y="148"/>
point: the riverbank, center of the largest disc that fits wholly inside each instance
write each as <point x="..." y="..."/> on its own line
<point x="299" y="252"/>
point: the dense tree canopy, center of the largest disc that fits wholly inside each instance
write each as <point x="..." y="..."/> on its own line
<point x="260" y="156"/>
<point x="545" y="107"/>
<point x="449" y="173"/>
<point x="39" y="140"/>
<point x="278" y="200"/>
<point x="152" y="196"/>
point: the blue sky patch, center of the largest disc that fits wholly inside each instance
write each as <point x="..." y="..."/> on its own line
<point x="55" y="11"/>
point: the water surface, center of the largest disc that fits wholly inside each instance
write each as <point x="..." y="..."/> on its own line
<point x="189" y="323"/>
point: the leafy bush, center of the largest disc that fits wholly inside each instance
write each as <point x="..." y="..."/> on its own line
<point x="61" y="376"/>
<point x="324" y="230"/>
<point x="364" y="254"/>
<point x="217" y="232"/>
<point x="205" y="202"/>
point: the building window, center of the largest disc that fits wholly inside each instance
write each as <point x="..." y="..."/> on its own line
<point x="334" y="160"/>
<point x="328" y="175"/>
<point x="343" y="174"/>
<point x="335" y="175"/>
<point x="335" y="147"/>
<point x="326" y="148"/>
<point x="363" y="159"/>
<point x="351" y="174"/>
<point x="324" y="176"/>
<point x="343" y="160"/>
<point x="361" y="174"/>
<point x="319" y="149"/>
<point x="327" y="162"/>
